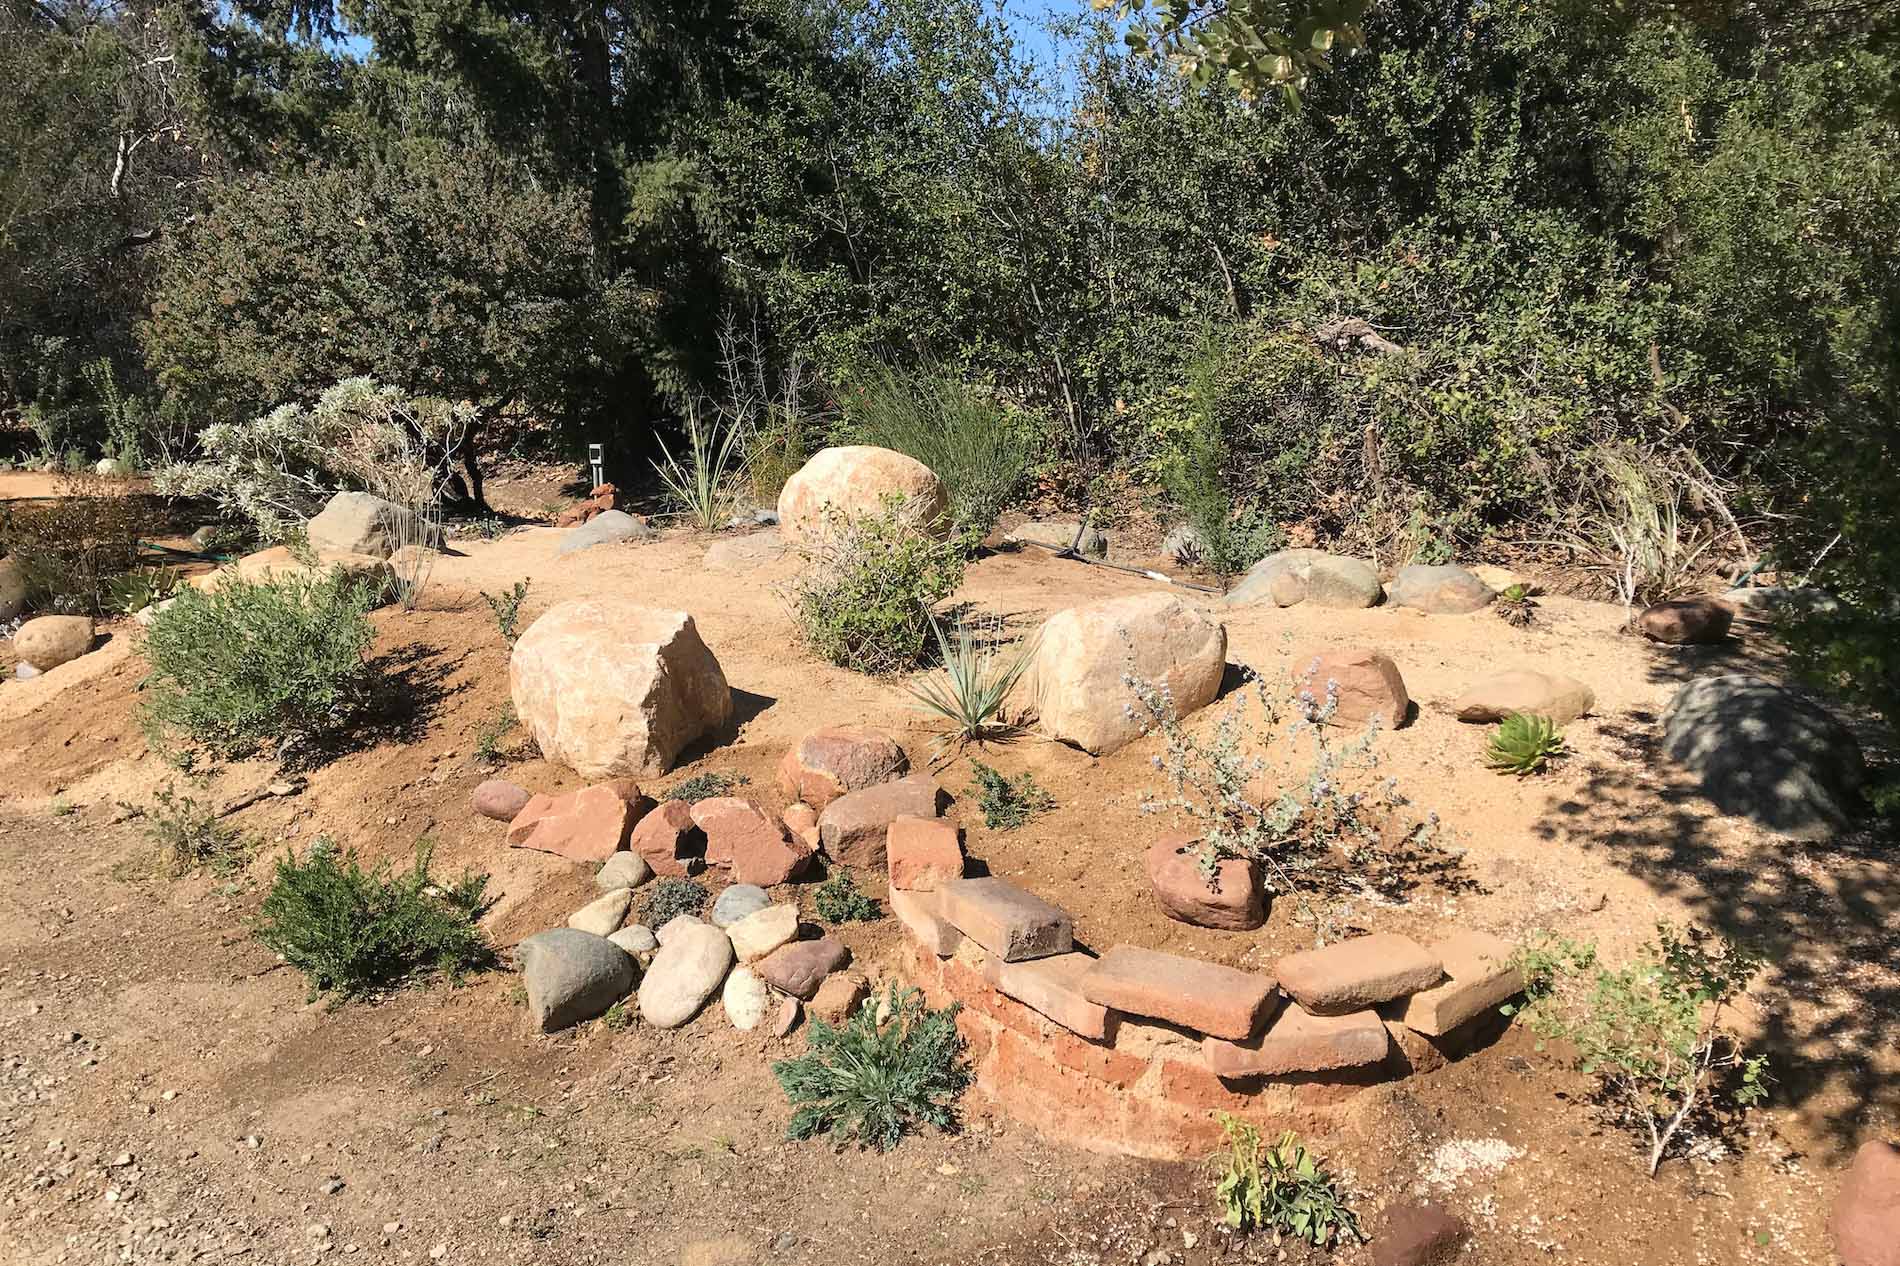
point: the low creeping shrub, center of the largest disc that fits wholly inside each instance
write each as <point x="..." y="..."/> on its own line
<point x="352" y="932"/>
<point x="1282" y="1188"/>
<point x="1651" y="1031"/>
<point x="253" y="662"/>
<point x="863" y="601"/>
<point x="705" y="786"/>
<point x="838" y="900"/>
<point x="189" y="833"/>
<point x="669" y="898"/>
<point x="1524" y="744"/>
<point x="877" y="1081"/>
<point x="1008" y="803"/>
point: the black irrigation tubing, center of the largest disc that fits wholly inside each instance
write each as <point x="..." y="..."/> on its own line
<point x="188" y="555"/>
<point x="1069" y="551"/>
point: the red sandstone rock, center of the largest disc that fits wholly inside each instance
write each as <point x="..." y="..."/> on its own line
<point x="1234" y="900"/>
<point x="1687" y="620"/>
<point x="1866" y="1217"/>
<point x="838" y="997"/>
<point x="588" y="825"/>
<point x="828" y="763"/>
<point x="1299" y="1042"/>
<point x="1352" y="975"/>
<point x="921" y="915"/>
<point x="787" y="1018"/>
<point x="802" y="821"/>
<point x="1480" y="976"/>
<point x="1365" y="683"/>
<point x="668" y="840"/>
<point x="924" y="853"/>
<point x="748" y="837"/>
<point x="854" y="827"/>
<point x="1417" y="1235"/>
<point x="499" y="799"/>
<point x="1219" y="1001"/>
<point x="799" y="968"/>
<point x="1006" y="920"/>
<point x="1048" y="986"/>
<point x="522" y="825"/>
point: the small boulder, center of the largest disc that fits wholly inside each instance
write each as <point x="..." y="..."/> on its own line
<point x="799" y="967"/>
<point x="675" y="923"/>
<point x="1418" y="1235"/>
<point x="669" y="841"/>
<point x="1445" y="589"/>
<point x="923" y="853"/>
<point x="604" y="914"/>
<point x="48" y="641"/>
<point x="855" y="828"/>
<point x="831" y="762"/>
<point x="1361" y="685"/>
<point x="1086" y="541"/>
<point x="852" y="482"/>
<point x="1686" y="621"/>
<point x="838" y="997"/>
<point x="609" y="687"/>
<point x="763" y="931"/>
<point x="637" y="940"/>
<point x="499" y="799"/>
<point x="1085" y="654"/>
<point x="1766" y="753"/>
<point x="572" y="976"/>
<point x="738" y="901"/>
<point x="1292" y="576"/>
<point x="623" y="870"/>
<point x="688" y="970"/>
<point x="360" y="523"/>
<point x="745" y="999"/>
<point x="802" y="821"/>
<point x="749" y="838"/>
<point x="607" y="526"/>
<point x="1233" y="899"/>
<point x="1562" y="699"/>
<point x="1866" y="1216"/>
<point x="589" y="825"/>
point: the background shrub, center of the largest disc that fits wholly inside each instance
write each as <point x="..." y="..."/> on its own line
<point x="863" y="600"/>
<point x="73" y="547"/>
<point x="259" y="661"/>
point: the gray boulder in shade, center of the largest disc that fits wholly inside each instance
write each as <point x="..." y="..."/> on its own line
<point x="1445" y="589"/>
<point x="1292" y="576"/>
<point x="1766" y="753"/>
<point x="691" y="965"/>
<point x="572" y="976"/>
<point x="608" y="525"/>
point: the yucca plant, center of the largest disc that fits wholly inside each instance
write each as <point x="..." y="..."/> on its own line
<point x="979" y="671"/>
<point x="702" y="484"/>
<point x="1525" y="744"/>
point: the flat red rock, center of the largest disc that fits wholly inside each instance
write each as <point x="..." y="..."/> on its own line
<point x="1207" y="997"/>
<point x="1048" y="986"/>
<point x="1298" y="1042"/>
<point x="1358" y="973"/>
<point x="589" y="825"/>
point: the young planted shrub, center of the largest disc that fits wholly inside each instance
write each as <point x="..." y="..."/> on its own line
<point x="839" y="900"/>
<point x="669" y="898"/>
<point x="1282" y="1188"/>
<point x="979" y="670"/>
<point x="1524" y="744"/>
<point x="352" y="931"/>
<point x="877" y="1082"/>
<point x="255" y="662"/>
<point x="506" y="608"/>
<point x="1008" y="803"/>
<point x="863" y="601"/>
<point x="188" y="832"/>
<point x="1227" y="540"/>
<point x="704" y="486"/>
<point x="1651" y="1031"/>
<point x="1515" y="606"/>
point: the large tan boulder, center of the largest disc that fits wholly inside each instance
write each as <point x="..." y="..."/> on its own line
<point x="1078" y="682"/>
<point x="51" y="640"/>
<point x="1562" y="699"/>
<point x="610" y="687"/>
<point x="855" y="480"/>
<point x="360" y="523"/>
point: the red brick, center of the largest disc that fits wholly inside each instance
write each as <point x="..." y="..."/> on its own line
<point x="1352" y="975"/>
<point x="1216" y="1000"/>
<point x="1006" y="920"/>
<point x="1041" y="1089"/>
<point x="1047" y="985"/>
<point x="923" y="853"/>
<point x="979" y="1037"/>
<point x="921" y="915"/>
<point x="1193" y="1086"/>
<point x="1481" y="977"/>
<point x="1297" y="1042"/>
<point x="1160" y="1130"/>
<point x="1103" y="1063"/>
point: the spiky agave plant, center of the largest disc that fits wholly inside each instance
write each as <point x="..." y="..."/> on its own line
<point x="979" y="671"/>
<point x="1525" y="744"/>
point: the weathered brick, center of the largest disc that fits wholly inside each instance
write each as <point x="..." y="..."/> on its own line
<point x="1194" y="1086"/>
<point x="1162" y="1130"/>
<point x="1103" y="1063"/>
<point x="1216" y="1000"/>
<point x="1481" y="977"/>
<point x="1048" y="986"/>
<point x="1034" y="1086"/>
<point x="1352" y="975"/>
<point x="1297" y="1042"/>
<point x="923" y="853"/>
<point x="921" y="915"/>
<point x="1006" y="920"/>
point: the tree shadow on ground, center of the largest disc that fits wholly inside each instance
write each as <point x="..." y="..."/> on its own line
<point x="1827" y="914"/>
<point x="409" y="686"/>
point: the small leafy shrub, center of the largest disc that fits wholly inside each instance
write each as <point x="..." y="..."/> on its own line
<point x="189" y="833"/>
<point x="839" y="901"/>
<point x="1008" y="803"/>
<point x="254" y="662"/>
<point x="1515" y="606"/>
<point x="1651" y="1030"/>
<point x="704" y="786"/>
<point x="1524" y="744"/>
<point x="506" y="608"/>
<point x="1227" y="539"/>
<point x="669" y="898"/>
<point x="979" y="670"/>
<point x="863" y="601"/>
<point x="72" y="547"/>
<point x="877" y="1082"/>
<point x="489" y="735"/>
<point x="1282" y="1188"/>
<point x="352" y="931"/>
